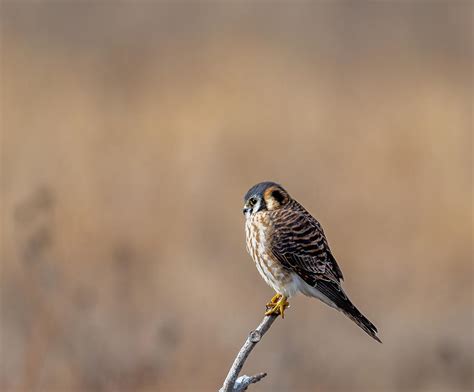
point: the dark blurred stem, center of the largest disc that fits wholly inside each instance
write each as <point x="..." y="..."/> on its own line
<point x="234" y="383"/>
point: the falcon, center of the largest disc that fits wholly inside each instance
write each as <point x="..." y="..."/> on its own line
<point x="292" y="254"/>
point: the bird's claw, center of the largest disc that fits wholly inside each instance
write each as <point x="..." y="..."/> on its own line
<point x="273" y="301"/>
<point x="277" y="306"/>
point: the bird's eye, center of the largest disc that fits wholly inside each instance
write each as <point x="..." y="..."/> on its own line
<point x="252" y="201"/>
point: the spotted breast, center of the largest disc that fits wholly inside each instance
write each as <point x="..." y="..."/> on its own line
<point x="258" y="230"/>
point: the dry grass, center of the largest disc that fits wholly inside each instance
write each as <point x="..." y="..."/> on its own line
<point x="131" y="133"/>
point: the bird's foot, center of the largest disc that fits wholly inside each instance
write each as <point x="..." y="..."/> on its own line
<point x="277" y="305"/>
<point x="273" y="301"/>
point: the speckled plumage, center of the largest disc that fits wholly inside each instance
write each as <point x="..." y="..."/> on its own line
<point x="291" y="252"/>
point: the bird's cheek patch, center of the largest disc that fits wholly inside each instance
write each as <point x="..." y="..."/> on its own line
<point x="274" y="198"/>
<point x="271" y="202"/>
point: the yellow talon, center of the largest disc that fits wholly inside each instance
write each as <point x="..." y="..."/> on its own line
<point x="273" y="301"/>
<point x="277" y="307"/>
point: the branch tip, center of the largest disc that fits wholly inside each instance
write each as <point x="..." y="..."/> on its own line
<point x="234" y="383"/>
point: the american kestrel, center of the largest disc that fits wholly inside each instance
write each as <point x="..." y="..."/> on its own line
<point x="292" y="254"/>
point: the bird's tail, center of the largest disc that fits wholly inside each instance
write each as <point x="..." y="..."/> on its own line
<point x="334" y="293"/>
<point x="362" y="322"/>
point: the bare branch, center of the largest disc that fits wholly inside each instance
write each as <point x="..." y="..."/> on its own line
<point x="242" y="383"/>
<point x="234" y="383"/>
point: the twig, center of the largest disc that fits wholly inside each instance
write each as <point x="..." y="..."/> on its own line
<point x="234" y="384"/>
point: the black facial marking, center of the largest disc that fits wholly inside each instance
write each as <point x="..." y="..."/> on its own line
<point x="278" y="196"/>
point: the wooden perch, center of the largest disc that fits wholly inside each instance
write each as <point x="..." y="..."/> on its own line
<point x="234" y="383"/>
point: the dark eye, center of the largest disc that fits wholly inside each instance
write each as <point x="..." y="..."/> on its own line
<point x="252" y="201"/>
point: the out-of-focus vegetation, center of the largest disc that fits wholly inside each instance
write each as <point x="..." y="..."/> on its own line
<point x="130" y="133"/>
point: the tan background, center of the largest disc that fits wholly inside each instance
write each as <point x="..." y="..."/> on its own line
<point x="130" y="133"/>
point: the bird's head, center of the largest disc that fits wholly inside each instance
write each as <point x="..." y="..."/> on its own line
<point x="265" y="196"/>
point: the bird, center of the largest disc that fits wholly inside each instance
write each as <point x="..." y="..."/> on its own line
<point x="292" y="254"/>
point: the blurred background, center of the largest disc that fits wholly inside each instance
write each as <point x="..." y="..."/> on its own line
<point x="131" y="132"/>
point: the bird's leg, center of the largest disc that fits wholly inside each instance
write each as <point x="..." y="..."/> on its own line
<point x="273" y="301"/>
<point x="278" y="307"/>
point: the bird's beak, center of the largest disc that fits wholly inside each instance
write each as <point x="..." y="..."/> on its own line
<point x="246" y="210"/>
